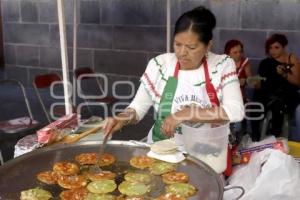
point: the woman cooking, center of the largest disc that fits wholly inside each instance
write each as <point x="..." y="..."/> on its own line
<point x="191" y="85"/>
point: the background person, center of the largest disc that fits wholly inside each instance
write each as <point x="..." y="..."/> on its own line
<point x="235" y="49"/>
<point x="279" y="92"/>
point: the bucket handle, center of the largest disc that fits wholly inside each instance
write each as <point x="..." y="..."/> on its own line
<point x="236" y="187"/>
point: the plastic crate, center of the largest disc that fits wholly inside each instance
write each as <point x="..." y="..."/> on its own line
<point x="294" y="149"/>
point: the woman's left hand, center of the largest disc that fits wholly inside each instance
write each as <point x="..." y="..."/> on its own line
<point x="170" y="124"/>
<point x="173" y="120"/>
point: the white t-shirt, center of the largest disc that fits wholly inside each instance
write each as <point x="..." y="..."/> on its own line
<point x="222" y="72"/>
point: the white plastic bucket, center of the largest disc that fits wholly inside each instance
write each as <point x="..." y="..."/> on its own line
<point x="208" y="143"/>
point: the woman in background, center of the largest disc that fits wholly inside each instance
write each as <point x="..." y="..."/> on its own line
<point x="279" y="92"/>
<point x="235" y="49"/>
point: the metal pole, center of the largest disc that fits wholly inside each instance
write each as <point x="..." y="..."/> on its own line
<point x="74" y="48"/>
<point x="168" y="8"/>
<point x="64" y="54"/>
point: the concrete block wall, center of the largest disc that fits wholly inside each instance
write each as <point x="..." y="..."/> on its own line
<point x="118" y="37"/>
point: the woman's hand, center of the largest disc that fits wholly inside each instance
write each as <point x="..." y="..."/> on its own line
<point x="111" y="125"/>
<point x="281" y="70"/>
<point x="169" y="125"/>
<point x="172" y="121"/>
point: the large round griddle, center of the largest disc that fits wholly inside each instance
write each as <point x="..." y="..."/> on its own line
<point x="20" y="173"/>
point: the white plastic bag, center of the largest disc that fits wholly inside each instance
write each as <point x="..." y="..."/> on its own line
<point x="270" y="174"/>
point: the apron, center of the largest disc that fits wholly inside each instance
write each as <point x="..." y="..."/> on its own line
<point x="208" y="98"/>
<point x="165" y="107"/>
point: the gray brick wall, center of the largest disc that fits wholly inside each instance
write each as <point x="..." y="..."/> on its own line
<point x="118" y="37"/>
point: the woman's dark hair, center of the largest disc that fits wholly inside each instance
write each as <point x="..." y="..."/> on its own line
<point x="232" y="43"/>
<point x="200" y="20"/>
<point x="280" y="38"/>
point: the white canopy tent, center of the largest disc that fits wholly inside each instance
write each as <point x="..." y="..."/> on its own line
<point x="64" y="50"/>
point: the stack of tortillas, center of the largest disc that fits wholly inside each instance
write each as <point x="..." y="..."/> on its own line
<point x="164" y="147"/>
<point x="166" y="150"/>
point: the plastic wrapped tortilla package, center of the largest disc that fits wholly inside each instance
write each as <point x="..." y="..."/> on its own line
<point x="57" y="129"/>
<point x="26" y="144"/>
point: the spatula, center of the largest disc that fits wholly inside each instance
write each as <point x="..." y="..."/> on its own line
<point x="96" y="168"/>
